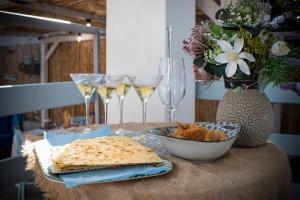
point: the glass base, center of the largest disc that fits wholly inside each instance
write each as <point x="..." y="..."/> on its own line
<point x="123" y="132"/>
<point x="86" y="130"/>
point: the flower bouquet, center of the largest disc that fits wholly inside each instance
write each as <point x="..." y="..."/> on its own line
<point x="242" y="49"/>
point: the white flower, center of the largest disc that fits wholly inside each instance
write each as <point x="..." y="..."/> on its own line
<point x="280" y="48"/>
<point x="234" y="57"/>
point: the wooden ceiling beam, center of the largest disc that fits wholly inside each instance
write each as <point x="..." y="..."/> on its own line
<point x="59" y="10"/>
<point x="208" y="7"/>
<point x="29" y="21"/>
<point x="6" y="4"/>
<point x="67" y="38"/>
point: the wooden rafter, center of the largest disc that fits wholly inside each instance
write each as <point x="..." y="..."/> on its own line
<point x="57" y="10"/>
<point x="51" y="50"/>
<point x="14" y="19"/>
<point x="208" y="7"/>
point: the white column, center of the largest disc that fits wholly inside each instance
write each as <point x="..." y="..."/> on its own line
<point x="136" y="39"/>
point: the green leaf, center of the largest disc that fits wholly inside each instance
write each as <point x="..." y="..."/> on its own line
<point x="230" y="33"/>
<point x="263" y="81"/>
<point x="217" y="70"/>
<point x="238" y="89"/>
<point x="216" y="30"/>
<point x="240" y="75"/>
<point x="200" y="62"/>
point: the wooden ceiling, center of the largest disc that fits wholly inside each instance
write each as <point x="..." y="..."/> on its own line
<point x="93" y="7"/>
<point x="76" y="11"/>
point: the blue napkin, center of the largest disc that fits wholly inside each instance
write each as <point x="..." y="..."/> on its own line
<point x="102" y="175"/>
<point x="110" y="174"/>
<point x="55" y="139"/>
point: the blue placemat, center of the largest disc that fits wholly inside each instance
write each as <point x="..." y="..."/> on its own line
<point x="112" y="174"/>
<point x="102" y="175"/>
<point x="58" y="139"/>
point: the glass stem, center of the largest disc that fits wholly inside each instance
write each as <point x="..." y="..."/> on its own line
<point x="171" y="114"/>
<point x="121" y="100"/>
<point x="105" y="111"/>
<point x="144" y="102"/>
<point x="87" y="104"/>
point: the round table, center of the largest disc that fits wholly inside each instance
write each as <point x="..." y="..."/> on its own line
<point x="243" y="173"/>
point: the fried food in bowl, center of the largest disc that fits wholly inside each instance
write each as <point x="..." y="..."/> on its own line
<point x="196" y="133"/>
<point x="201" y="141"/>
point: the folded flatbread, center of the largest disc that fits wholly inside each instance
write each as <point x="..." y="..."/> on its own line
<point x="101" y="152"/>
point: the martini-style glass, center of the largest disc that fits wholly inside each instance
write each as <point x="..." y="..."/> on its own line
<point x="145" y="86"/>
<point x="122" y="90"/>
<point x="86" y="85"/>
<point x="107" y="90"/>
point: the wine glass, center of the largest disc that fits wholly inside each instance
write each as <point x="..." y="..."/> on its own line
<point x="145" y="86"/>
<point x="107" y="90"/>
<point x="173" y="85"/>
<point x="122" y="90"/>
<point x="86" y="85"/>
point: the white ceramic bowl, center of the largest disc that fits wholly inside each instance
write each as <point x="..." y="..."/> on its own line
<point x="194" y="150"/>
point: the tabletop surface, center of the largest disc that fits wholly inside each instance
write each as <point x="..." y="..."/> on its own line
<point x="243" y="173"/>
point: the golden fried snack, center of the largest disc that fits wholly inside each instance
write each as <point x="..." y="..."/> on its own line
<point x="192" y="132"/>
<point x="182" y="125"/>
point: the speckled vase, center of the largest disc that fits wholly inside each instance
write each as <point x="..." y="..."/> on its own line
<point x="253" y="111"/>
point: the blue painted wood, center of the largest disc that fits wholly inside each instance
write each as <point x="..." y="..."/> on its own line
<point x="289" y="143"/>
<point x="216" y="91"/>
<point x="213" y="91"/>
<point x="277" y="95"/>
<point x="26" y="98"/>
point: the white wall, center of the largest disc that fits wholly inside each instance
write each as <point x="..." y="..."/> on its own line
<point x="136" y="39"/>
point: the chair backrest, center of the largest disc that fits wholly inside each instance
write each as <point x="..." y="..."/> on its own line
<point x="216" y="91"/>
<point x="17" y="99"/>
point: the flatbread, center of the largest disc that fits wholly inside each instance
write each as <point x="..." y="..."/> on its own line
<point x="102" y="152"/>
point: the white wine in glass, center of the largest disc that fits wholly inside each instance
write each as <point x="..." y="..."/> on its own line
<point x="145" y="86"/>
<point x="122" y="90"/>
<point x="86" y="85"/>
<point x="107" y="90"/>
<point x="144" y="91"/>
<point x="86" y="89"/>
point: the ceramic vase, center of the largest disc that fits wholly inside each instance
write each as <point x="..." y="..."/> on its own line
<point x="252" y="110"/>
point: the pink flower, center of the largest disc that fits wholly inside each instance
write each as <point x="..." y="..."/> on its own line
<point x="201" y="75"/>
<point x="196" y="44"/>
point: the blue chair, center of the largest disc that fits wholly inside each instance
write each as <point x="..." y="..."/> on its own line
<point x="6" y="132"/>
<point x="26" y="98"/>
<point x="12" y="171"/>
<point x="14" y="165"/>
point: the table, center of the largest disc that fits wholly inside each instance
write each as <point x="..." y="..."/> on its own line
<point x="243" y="173"/>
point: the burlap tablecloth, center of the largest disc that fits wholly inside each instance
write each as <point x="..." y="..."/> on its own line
<point x="243" y="173"/>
